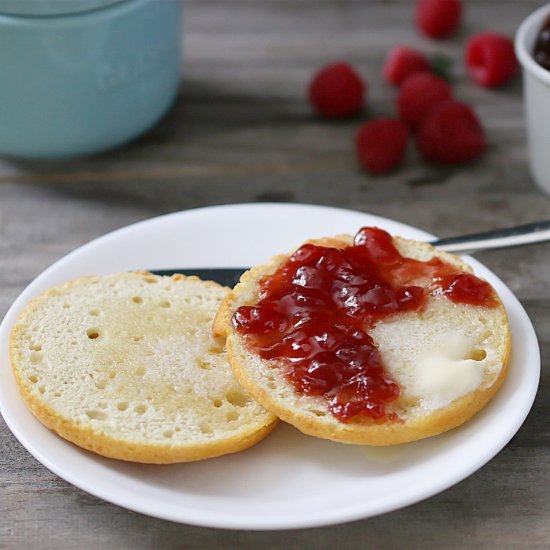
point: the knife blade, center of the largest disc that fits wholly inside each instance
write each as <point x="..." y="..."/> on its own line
<point x="520" y="235"/>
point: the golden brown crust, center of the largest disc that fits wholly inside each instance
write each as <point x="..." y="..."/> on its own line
<point x="100" y="443"/>
<point x="90" y="438"/>
<point x="387" y="433"/>
<point x="219" y="328"/>
<point x="365" y="433"/>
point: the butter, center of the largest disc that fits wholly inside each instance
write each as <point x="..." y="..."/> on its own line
<point x="443" y="373"/>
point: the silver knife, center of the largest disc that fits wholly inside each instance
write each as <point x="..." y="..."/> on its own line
<point x="520" y="235"/>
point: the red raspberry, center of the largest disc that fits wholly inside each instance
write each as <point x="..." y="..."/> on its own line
<point x="402" y="62"/>
<point x="418" y="95"/>
<point x="381" y="144"/>
<point x="438" y="18"/>
<point x="490" y="59"/>
<point x="451" y="134"/>
<point x="337" y="91"/>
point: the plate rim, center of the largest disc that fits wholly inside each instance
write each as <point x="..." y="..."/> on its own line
<point x="251" y="521"/>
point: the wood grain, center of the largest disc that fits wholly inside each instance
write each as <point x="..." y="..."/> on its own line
<point x="241" y="131"/>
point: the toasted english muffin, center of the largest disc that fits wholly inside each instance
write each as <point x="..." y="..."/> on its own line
<point x="448" y="359"/>
<point x="125" y="365"/>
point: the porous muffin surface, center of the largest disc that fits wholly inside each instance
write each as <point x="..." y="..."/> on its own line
<point x="126" y="365"/>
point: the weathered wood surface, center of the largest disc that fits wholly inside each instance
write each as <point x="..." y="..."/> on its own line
<point x="241" y="132"/>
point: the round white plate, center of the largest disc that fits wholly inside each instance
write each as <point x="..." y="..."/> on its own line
<point x="289" y="480"/>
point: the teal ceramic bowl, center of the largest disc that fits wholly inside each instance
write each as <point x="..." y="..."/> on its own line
<point x="81" y="76"/>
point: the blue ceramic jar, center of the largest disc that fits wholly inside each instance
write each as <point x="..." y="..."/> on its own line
<point x="81" y="76"/>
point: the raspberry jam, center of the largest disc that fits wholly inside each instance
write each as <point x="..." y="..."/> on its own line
<point x="313" y="315"/>
<point x="541" y="52"/>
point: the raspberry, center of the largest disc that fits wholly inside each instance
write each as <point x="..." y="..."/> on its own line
<point x="438" y="18"/>
<point x="381" y="144"/>
<point x="418" y="95"/>
<point x="490" y="59"/>
<point x="337" y="91"/>
<point x="451" y="134"/>
<point x="402" y="62"/>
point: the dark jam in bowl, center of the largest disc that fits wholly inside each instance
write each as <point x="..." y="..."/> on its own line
<point x="541" y="52"/>
<point x="314" y="313"/>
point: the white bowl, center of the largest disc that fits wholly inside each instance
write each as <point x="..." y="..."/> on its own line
<point x="536" y="82"/>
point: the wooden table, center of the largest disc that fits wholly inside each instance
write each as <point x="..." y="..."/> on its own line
<point x="241" y="131"/>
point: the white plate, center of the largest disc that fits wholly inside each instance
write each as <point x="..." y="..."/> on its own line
<point x="289" y="480"/>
